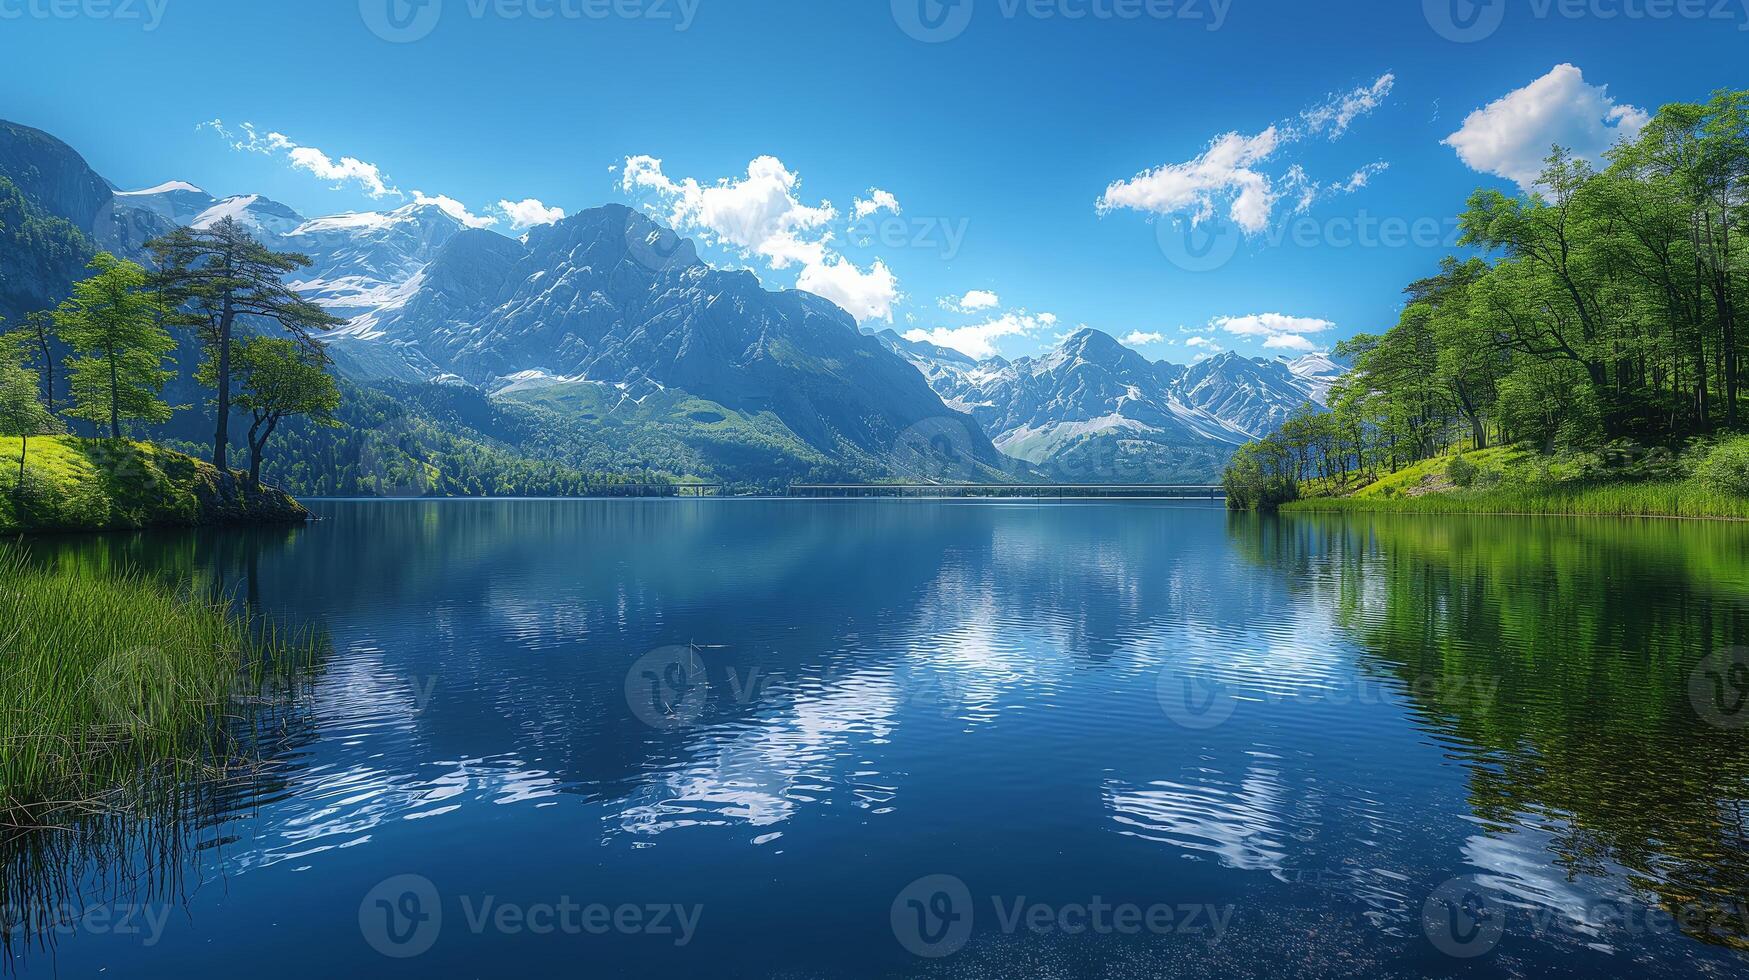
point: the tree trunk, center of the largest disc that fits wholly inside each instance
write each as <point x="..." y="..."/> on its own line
<point x="222" y="403"/>
<point x="23" y="447"/>
<point x="42" y="341"/>
<point x="114" y="399"/>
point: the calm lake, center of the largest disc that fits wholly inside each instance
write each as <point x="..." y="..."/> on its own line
<point x="959" y="739"/>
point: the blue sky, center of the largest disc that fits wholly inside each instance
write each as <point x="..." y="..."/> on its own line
<point x="996" y="137"/>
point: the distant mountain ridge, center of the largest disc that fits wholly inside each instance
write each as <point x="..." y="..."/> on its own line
<point x="1095" y="410"/>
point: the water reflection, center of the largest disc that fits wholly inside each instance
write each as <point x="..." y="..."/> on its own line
<point x="1556" y="657"/>
<point x="896" y="689"/>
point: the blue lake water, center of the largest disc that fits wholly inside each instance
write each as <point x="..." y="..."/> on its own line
<point x="962" y="739"/>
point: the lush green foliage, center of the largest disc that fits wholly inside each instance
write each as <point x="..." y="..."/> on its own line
<point x="1522" y="480"/>
<point x="115" y="328"/>
<point x="92" y="484"/>
<point x="277" y="379"/>
<point x="1608" y="318"/>
<point x="1726" y="468"/>
<point x="1260" y="477"/>
<point x="105" y="675"/>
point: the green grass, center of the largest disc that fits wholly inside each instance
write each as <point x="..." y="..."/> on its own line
<point x="105" y="677"/>
<point x="73" y="484"/>
<point x="1516" y="480"/>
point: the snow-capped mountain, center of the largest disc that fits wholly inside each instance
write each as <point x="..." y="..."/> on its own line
<point x="609" y="315"/>
<point x="178" y="201"/>
<point x="360" y="261"/>
<point x="1096" y="410"/>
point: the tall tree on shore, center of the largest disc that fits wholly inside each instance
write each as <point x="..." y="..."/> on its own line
<point x="277" y="379"/>
<point x="113" y="326"/>
<point x="21" y="413"/>
<point x="215" y="276"/>
<point x="38" y="328"/>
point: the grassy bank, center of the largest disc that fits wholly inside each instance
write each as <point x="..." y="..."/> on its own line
<point x="74" y="484"/>
<point x="1514" y="480"/>
<point x="104" y="677"/>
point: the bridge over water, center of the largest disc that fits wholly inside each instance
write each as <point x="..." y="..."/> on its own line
<point x="1049" y="491"/>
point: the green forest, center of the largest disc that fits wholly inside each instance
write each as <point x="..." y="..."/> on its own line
<point x="1594" y="330"/>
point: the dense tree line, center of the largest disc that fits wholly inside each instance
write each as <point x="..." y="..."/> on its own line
<point x="1605" y="305"/>
<point x="116" y="328"/>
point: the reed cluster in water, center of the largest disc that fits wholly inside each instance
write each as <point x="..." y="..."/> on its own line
<point x="106" y="677"/>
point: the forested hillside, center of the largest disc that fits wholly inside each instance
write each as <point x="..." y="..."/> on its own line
<point x="1602" y="316"/>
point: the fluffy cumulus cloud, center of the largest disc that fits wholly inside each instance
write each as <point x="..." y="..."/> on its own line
<point x="1269" y="324"/>
<point x="864" y="295"/>
<point x="1276" y="331"/>
<point x="1511" y="136"/>
<point x="455" y="209"/>
<point x="1290" y="341"/>
<point x="972" y="302"/>
<point x="1233" y="174"/>
<point x="760" y="215"/>
<point x="876" y="202"/>
<point x="528" y="213"/>
<point x="979" y="339"/>
<point x="1139" y="339"/>
<point x="368" y="177"/>
<point x="1205" y="342"/>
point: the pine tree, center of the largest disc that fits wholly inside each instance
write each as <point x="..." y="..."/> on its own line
<point x="213" y="277"/>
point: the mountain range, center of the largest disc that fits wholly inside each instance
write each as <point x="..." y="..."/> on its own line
<point x="1096" y="411"/>
<point x="608" y="327"/>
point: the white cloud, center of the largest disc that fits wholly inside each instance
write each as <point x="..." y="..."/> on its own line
<point x="1511" y="137"/>
<point x="1230" y="173"/>
<point x="1337" y="112"/>
<point x="760" y="215"/>
<point x="1139" y="339"/>
<point x="864" y="295"/>
<point x="1269" y="325"/>
<point x="973" y="301"/>
<point x="368" y="176"/>
<point x="1208" y="342"/>
<point x="978" y="340"/>
<point x="454" y="209"/>
<point x="878" y="200"/>
<point x="1364" y="176"/>
<point x="1290" y="341"/>
<point x="528" y="213"/>
<point x="1223" y="171"/>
